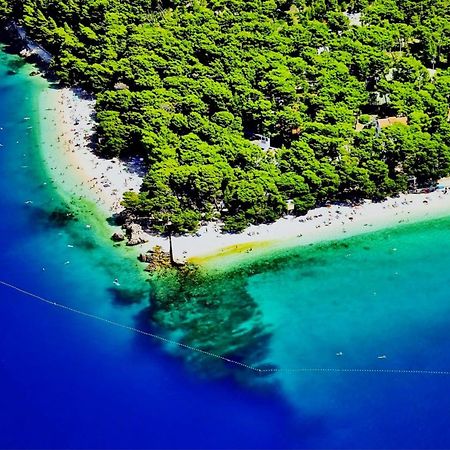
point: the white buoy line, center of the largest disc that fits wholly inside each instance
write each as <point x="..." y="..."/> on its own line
<point x="223" y="358"/>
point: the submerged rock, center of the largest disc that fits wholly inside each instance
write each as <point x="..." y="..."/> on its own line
<point x="118" y="237"/>
<point x="211" y="311"/>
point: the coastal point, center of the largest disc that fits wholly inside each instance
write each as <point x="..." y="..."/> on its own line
<point x="225" y="224"/>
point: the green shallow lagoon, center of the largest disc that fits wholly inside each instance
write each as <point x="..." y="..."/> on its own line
<point x="363" y="296"/>
<point x="379" y="301"/>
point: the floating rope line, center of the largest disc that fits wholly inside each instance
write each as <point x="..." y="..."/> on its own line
<point x="223" y="358"/>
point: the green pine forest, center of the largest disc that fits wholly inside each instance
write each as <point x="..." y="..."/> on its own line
<point x="187" y="84"/>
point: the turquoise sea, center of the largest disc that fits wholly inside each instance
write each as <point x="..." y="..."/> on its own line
<point x="372" y="303"/>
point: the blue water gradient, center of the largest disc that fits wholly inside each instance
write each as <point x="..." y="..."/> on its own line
<point x="67" y="381"/>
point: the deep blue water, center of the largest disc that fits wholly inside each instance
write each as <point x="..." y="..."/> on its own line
<point x="67" y="381"/>
<point x="70" y="381"/>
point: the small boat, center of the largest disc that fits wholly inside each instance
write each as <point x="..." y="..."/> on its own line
<point x="339" y="354"/>
<point x="28" y="202"/>
<point x="116" y="282"/>
<point x="69" y="245"/>
<point x="381" y="356"/>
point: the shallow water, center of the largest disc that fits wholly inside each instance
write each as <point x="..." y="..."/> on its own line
<point x="384" y="294"/>
<point x="69" y="381"/>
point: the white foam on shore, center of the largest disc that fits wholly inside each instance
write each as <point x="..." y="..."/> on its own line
<point x="77" y="169"/>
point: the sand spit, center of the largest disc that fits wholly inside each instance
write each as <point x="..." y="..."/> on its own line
<point x="74" y="164"/>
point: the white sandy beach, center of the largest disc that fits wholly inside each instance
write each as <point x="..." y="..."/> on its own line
<point x="103" y="181"/>
<point x="320" y="224"/>
<point x="73" y="162"/>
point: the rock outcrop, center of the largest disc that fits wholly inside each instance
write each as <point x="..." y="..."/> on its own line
<point x="28" y="48"/>
<point x="118" y="237"/>
<point x="146" y="257"/>
<point x="156" y="258"/>
<point x="136" y="235"/>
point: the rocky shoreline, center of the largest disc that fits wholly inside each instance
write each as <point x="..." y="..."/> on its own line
<point x="20" y="43"/>
<point x="155" y="258"/>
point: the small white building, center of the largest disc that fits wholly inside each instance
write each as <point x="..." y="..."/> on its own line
<point x="379" y="99"/>
<point x="354" y="18"/>
<point x="323" y="49"/>
<point x="290" y="206"/>
<point x="263" y="142"/>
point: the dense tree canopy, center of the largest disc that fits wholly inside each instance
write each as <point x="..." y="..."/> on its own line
<point x="185" y="84"/>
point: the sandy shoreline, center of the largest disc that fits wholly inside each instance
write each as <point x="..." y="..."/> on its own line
<point x="322" y="224"/>
<point x="80" y="172"/>
<point x="71" y="115"/>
